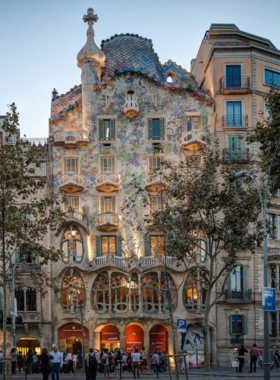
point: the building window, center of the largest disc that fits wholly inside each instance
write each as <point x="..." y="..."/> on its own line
<point x="19" y="295"/>
<point x="149" y="286"/>
<point x="194" y="292"/>
<point x="72" y="202"/>
<point x="273" y="324"/>
<point x="108" y="245"/>
<point x="156" y="203"/>
<point x="107" y="130"/>
<point x="100" y="293"/>
<point x="157" y="245"/>
<point x="70" y="165"/>
<point x="237" y="287"/>
<point x="108" y="204"/>
<point x="272" y="78"/>
<point x="168" y="293"/>
<point x="119" y="293"/>
<point x="72" y="245"/>
<point x="238" y="324"/>
<point x="271" y="226"/>
<point x="28" y="257"/>
<point x="278" y="223"/>
<point x="192" y="123"/>
<point x="234" y="147"/>
<point x="266" y="111"/>
<point x="31" y="300"/>
<point x="273" y="277"/>
<point x="107" y="164"/>
<point x="234" y="114"/>
<point x="72" y="292"/>
<point x="134" y="286"/>
<point x="233" y="76"/>
<point x="156" y="129"/>
<point x="155" y="163"/>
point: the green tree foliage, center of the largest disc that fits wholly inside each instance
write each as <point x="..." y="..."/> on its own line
<point x="27" y="213"/>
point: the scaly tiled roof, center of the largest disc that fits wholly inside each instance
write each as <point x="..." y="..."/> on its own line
<point x="66" y="102"/>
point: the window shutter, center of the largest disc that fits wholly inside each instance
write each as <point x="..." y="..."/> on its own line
<point x="119" y="246"/>
<point x="101" y="129"/>
<point x="230" y="325"/>
<point x="184" y="123"/>
<point x="245" y="281"/>
<point x="150" y="135"/>
<point x="245" y="324"/>
<point x="148" y="245"/>
<point x="161" y="128"/>
<point x="17" y="258"/>
<point x="112" y="129"/>
<point x="98" y="252"/>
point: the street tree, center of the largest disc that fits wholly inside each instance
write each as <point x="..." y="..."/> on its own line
<point x="27" y="212"/>
<point x="207" y="219"/>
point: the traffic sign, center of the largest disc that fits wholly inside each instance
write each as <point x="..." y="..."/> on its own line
<point x="268" y="299"/>
<point x="181" y="325"/>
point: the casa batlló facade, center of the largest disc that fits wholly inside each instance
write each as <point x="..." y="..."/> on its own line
<point x="103" y="134"/>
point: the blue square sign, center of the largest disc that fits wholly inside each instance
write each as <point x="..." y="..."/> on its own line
<point x="181" y="325"/>
<point x="268" y="299"/>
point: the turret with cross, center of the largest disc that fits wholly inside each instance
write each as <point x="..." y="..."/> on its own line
<point x="90" y="17"/>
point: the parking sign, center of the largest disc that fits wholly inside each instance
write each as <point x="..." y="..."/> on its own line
<point x="181" y="325"/>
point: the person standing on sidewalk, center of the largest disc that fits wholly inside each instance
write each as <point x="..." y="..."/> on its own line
<point x="241" y="357"/>
<point x="136" y="363"/>
<point x="91" y="365"/>
<point x="254" y="353"/>
<point x="57" y="362"/>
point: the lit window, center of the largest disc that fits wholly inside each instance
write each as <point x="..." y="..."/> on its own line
<point x="157" y="245"/>
<point x="119" y="293"/>
<point x="100" y="293"/>
<point x="108" y="245"/>
<point x="149" y="293"/>
<point x="72" y="292"/>
<point x="72" y="245"/>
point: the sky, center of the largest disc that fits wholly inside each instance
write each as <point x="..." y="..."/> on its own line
<point x="40" y="40"/>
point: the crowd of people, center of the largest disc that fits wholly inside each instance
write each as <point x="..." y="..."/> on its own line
<point x="256" y="356"/>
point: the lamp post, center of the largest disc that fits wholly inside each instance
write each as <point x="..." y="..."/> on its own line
<point x="263" y="200"/>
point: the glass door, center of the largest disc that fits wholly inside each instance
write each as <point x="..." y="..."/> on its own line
<point x="233" y="75"/>
<point x="234" y="114"/>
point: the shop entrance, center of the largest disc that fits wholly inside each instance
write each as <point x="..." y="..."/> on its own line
<point x="74" y="344"/>
<point x="158" y="338"/>
<point x="110" y="337"/>
<point x="133" y="337"/>
<point x="70" y="336"/>
<point x="26" y="344"/>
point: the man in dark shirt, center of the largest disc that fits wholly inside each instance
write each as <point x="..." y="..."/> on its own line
<point x="254" y="353"/>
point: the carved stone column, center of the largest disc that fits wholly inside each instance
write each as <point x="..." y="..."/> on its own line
<point x="140" y="293"/>
<point x="122" y="340"/>
<point x="159" y="292"/>
<point x="110" y="294"/>
<point x="91" y="342"/>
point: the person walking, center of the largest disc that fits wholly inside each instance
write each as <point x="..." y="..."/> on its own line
<point x="57" y="362"/>
<point x="254" y="353"/>
<point x="261" y="359"/>
<point x="20" y="361"/>
<point x="29" y="362"/>
<point x="45" y="359"/>
<point x="118" y="362"/>
<point x="105" y="362"/>
<point x="13" y="360"/>
<point x="75" y="359"/>
<point x="241" y="356"/>
<point x="143" y="358"/>
<point x="128" y="361"/>
<point x="91" y="365"/>
<point x="155" y="361"/>
<point x="136" y="363"/>
<point x="69" y="362"/>
<point x="79" y="355"/>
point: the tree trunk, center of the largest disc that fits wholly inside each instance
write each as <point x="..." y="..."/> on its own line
<point x="205" y="332"/>
<point x="4" y="306"/>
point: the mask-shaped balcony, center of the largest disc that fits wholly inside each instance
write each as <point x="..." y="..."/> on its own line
<point x="108" y="222"/>
<point x="131" y="108"/>
<point x="71" y="182"/>
<point x="71" y="139"/>
<point x="155" y="183"/>
<point x="108" y="182"/>
<point x="193" y="140"/>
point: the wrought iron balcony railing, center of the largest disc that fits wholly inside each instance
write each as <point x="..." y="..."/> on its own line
<point x="236" y="154"/>
<point x="243" y="295"/>
<point x="235" y="121"/>
<point x="235" y="82"/>
<point x="237" y="339"/>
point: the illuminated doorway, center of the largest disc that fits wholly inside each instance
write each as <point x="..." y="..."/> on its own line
<point x="158" y="338"/>
<point x="133" y="337"/>
<point x="25" y="344"/>
<point x="110" y="337"/>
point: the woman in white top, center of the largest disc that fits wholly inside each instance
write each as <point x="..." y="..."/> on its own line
<point x="75" y="359"/>
<point x="69" y="362"/>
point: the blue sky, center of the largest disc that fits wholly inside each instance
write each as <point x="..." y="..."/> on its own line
<point x="40" y="40"/>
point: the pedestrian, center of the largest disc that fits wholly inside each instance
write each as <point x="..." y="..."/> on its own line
<point x="1" y="362"/>
<point x="241" y="356"/>
<point x="91" y="365"/>
<point x="75" y="359"/>
<point x="45" y="359"/>
<point x="13" y="360"/>
<point x="29" y="362"/>
<point x="164" y="361"/>
<point x="261" y="359"/>
<point x="57" y="362"/>
<point x="35" y="360"/>
<point x="128" y="361"/>
<point x="143" y="358"/>
<point x="79" y="355"/>
<point x="69" y="362"/>
<point x="136" y="363"/>
<point x="118" y="361"/>
<point x="254" y="353"/>
<point x="277" y="358"/>
<point x="20" y="361"/>
<point x="160" y="361"/>
<point x="155" y="361"/>
<point x="105" y="362"/>
<point x="271" y="360"/>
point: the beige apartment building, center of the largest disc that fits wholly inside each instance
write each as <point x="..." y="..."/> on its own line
<point x="237" y="68"/>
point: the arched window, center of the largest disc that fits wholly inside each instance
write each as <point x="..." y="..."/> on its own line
<point x="168" y="293"/>
<point x="149" y="285"/>
<point x="194" y="292"/>
<point x="100" y="293"/>
<point x="119" y="293"/>
<point x="134" y="286"/>
<point x="72" y="245"/>
<point x="171" y="78"/>
<point x="73" y="292"/>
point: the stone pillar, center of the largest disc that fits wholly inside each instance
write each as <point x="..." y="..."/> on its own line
<point x="24" y="291"/>
<point x="91" y="342"/>
<point x="129" y="296"/>
<point x="140" y="293"/>
<point x="277" y="278"/>
<point x="96" y="339"/>
<point x="110" y="294"/>
<point x="147" y="341"/>
<point x="159" y="293"/>
<point x="122" y="340"/>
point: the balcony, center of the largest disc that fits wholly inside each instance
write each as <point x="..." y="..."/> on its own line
<point x="238" y="295"/>
<point x="30" y="316"/>
<point x="193" y="141"/>
<point x="108" y="182"/>
<point x="235" y="85"/>
<point x="75" y="216"/>
<point x="71" y="182"/>
<point x="235" y="121"/>
<point x="71" y="139"/>
<point x="155" y="183"/>
<point x="111" y="260"/>
<point x="150" y="224"/>
<point x="108" y="222"/>
<point x="241" y="154"/>
<point x="131" y="108"/>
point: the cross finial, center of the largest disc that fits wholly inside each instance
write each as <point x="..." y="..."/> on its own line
<point x="90" y="18"/>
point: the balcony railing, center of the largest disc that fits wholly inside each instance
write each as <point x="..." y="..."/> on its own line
<point x="235" y="83"/>
<point x="155" y="183"/>
<point x="235" y="121"/>
<point x="71" y="182"/>
<point x="131" y="108"/>
<point x="108" y="182"/>
<point x="79" y="217"/>
<point x="108" y="222"/>
<point x="236" y="154"/>
<point x="193" y="140"/>
<point x="237" y="339"/>
<point x="71" y="139"/>
<point x="110" y="259"/>
<point x="243" y="295"/>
